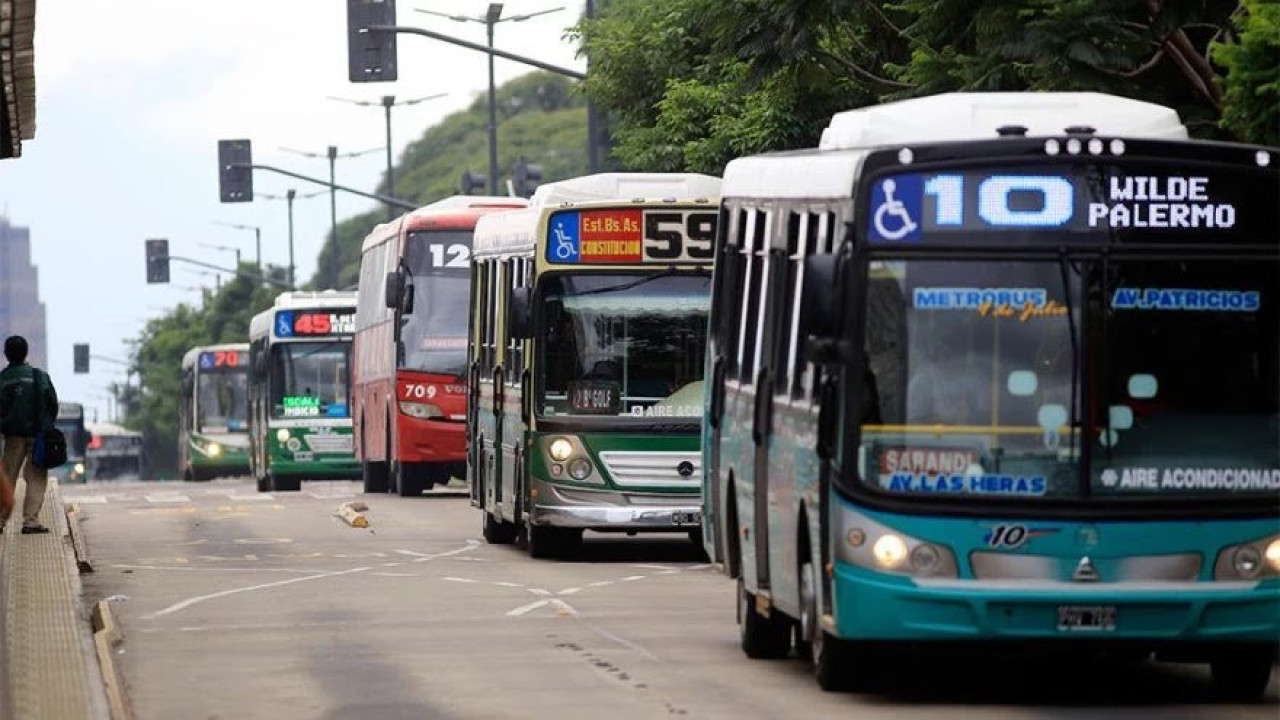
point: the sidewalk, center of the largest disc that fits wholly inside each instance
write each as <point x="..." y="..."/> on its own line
<point x="48" y="669"/>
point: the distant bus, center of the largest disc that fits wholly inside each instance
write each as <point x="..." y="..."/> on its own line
<point x="115" y="453"/>
<point x="589" y="321"/>
<point x="71" y="422"/>
<point x="1000" y="369"/>
<point x="300" y="390"/>
<point x="213" y="413"/>
<point x="410" y="364"/>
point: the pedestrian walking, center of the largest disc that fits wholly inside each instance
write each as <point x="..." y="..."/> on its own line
<point x="28" y="405"/>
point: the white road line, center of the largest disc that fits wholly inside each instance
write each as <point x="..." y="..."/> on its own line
<point x="527" y="608"/>
<point x="460" y="580"/>
<point x="188" y="568"/>
<point x="654" y="567"/>
<point x="668" y="572"/>
<point x="392" y="574"/>
<point x="602" y="583"/>
<point x="394" y="564"/>
<point x="256" y="497"/>
<point x="471" y="545"/>
<point x="570" y="591"/>
<point x="631" y="578"/>
<point x="703" y="566"/>
<point x="330" y="496"/>
<point x="168" y="499"/>
<point x="263" y="541"/>
<point x="179" y="606"/>
<point x="88" y="499"/>
<point x="508" y="584"/>
<point x="537" y="591"/>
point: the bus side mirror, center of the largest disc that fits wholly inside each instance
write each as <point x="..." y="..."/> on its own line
<point x="820" y="309"/>
<point x="394" y="289"/>
<point x="188" y="383"/>
<point x="519" y="300"/>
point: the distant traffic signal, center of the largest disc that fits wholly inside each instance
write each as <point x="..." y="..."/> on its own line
<point x="158" y="261"/>
<point x="471" y="181"/>
<point x="80" y="360"/>
<point x="371" y="56"/>
<point x="235" y="174"/>
<point x="528" y="176"/>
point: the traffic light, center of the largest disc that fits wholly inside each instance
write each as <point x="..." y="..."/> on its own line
<point x="80" y="360"/>
<point x="528" y="176"/>
<point x="235" y="174"/>
<point x="471" y="181"/>
<point x="157" y="261"/>
<point x="371" y="56"/>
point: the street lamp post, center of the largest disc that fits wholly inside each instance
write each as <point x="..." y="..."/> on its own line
<point x="333" y="155"/>
<point x="289" y="196"/>
<point x="388" y="102"/>
<point x="257" y="237"/>
<point x="492" y="17"/>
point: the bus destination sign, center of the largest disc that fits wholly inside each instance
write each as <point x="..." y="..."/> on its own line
<point x="631" y="235"/>
<point x="215" y="360"/>
<point x="1139" y="201"/>
<point x="314" y="323"/>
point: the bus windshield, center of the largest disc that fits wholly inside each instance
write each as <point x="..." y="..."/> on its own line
<point x="311" y="380"/>
<point x="223" y="402"/>
<point x="971" y="375"/>
<point x="73" y="430"/>
<point x="629" y="345"/>
<point x="435" y="333"/>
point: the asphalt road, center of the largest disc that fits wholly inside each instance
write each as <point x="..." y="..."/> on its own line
<point x="241" y="605"/>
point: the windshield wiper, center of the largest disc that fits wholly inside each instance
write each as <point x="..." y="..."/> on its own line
<point x="1066" y="268"/>
<point x="669" y="272"/>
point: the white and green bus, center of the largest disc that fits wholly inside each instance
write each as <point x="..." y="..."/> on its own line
<point x="588" y="329"/>
<point x="213" y="414"/>
<point x="1001" y="370"/>
<point x="300" y="390"/>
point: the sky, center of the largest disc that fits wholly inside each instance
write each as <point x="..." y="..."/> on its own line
<point x="132" y="97"/>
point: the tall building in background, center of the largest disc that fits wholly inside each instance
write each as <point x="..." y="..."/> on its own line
<point x="21" y="312"/>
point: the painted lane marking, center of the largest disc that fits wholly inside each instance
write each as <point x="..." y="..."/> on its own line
<point x="633" y="578"/>
<point x="256" y="497"/>
<point x="88" y="499"/>
<point x="562" y="607"/>
<point x="263" y="541"/>
<point x="602" y="583"/>
<point x="655" y="567"/>
<point x="508" y="584"/>
<point x="183" y="605"/>
<point x="392" y="574"/>
<point x="570" y="591"/>
<point x="189" y="568"/>
<point x="168" y="498"/>
<point x="461" y="580"/>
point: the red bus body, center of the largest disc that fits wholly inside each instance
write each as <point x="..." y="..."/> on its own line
<point x="410" y="415"/>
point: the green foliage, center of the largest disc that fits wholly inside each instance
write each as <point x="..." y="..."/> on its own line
<point x="1252" y="83"/>
<point x="694" y="83"/>
<point x="541" y="117"/>
<point x="157" y="357"/>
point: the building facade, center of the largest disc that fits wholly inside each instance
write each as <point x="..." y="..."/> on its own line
<point x="21" y="311"/>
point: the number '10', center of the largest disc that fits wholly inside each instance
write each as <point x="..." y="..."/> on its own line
<point x="1056" y="206"/>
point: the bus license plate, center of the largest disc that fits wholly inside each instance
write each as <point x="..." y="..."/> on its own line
<point x="1086" y="618"/>
<point x="686" y="518"/>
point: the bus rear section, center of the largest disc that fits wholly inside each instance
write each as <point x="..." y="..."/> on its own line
<point x="300" y="417"/>
<point x="589" y="329"/>
<point x="114" y="454"/>
<point x="213" y="438"/>
<point x="409" y="387"/>
<point x="1034" y="395"/>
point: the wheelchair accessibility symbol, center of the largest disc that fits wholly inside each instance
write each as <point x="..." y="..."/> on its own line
<point x="564" y="245"/>
<point x="284" y="324"/>
<point x="892" y="219"/>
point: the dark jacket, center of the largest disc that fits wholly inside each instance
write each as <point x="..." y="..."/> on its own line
<point x="28" y="402"/>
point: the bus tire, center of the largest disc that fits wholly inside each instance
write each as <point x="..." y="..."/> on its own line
<point x="285" y="484"/>
<point x="374" y="476"/>
<point x="1243" y="674"/>
<point x="497" y="532"/>
<point x="405" y="481"/>
<point x="763" y="638"/>
<point x="829" y="655"/>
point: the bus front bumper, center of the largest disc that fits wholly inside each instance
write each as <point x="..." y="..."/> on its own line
<point x="611" y="510"/>
<point x="876" y="606"/>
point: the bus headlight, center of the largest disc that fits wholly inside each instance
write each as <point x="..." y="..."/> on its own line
<point x="79" y="468"/>
<point x="215" y="450"/>
<point x="282" y="435"/>
<point x="1249" y="561"/>
<point x="421" y="411"/>
<point x="560" y="449"/>
<point x="580" y="469"/>
<point x="874" y="546"/>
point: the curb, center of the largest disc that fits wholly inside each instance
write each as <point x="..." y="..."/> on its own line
<point x="352" y="513"/>
<point x="78" y="544"/>
<point x="106" y="635"/>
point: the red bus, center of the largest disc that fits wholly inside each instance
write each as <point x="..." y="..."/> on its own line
<point x="410" y="355"/>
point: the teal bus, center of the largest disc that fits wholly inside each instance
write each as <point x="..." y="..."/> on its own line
<point x="300" y="390"/>
<point x="1000" y="369"/>
<point x="70" y="421"/>
<point x="588" y="328"/>
<point x="213" y="412"/>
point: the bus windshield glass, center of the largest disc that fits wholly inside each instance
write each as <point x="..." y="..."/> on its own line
<point x="311" y="380"/>
<point x="73" y="430"/>
<point x="629" y="345"/>
<point x="971" y="369"/>
<point x="435" y="333"/>
<point x="223" y="401"/>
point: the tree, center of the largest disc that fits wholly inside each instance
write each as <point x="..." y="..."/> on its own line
<point x="1251" y="56"/>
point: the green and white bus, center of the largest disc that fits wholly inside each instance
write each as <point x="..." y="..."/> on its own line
<point x="300" y="390"/>
<point x="213" y="414"/>
<point x="1001" y="369"/>
<point x="588" y="329"/>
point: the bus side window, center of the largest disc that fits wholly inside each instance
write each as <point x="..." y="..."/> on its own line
<point x="823" y="241"/>
<point x="753" y="296"/>
<point x="728" y="284"/>
<point x="791" y="276"/>
<point x="514" y="272"/>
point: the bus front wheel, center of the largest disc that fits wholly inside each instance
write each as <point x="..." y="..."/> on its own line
<point x="374" y="475"/>
<point x="1243" y="675"/>
<point x="829" y="655"/>
<point x="497" y="531"/>
<point x="763" y="637"/>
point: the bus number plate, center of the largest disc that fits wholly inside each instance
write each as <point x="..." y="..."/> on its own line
<point x="1086" y="618"/>
<point x="686" y="518"/>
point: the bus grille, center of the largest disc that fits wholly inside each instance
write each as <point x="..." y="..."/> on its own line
<point x="329" y="443"/>
<point x="653" y="469"/>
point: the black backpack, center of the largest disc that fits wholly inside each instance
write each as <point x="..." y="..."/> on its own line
<point x="50" y="449"/>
